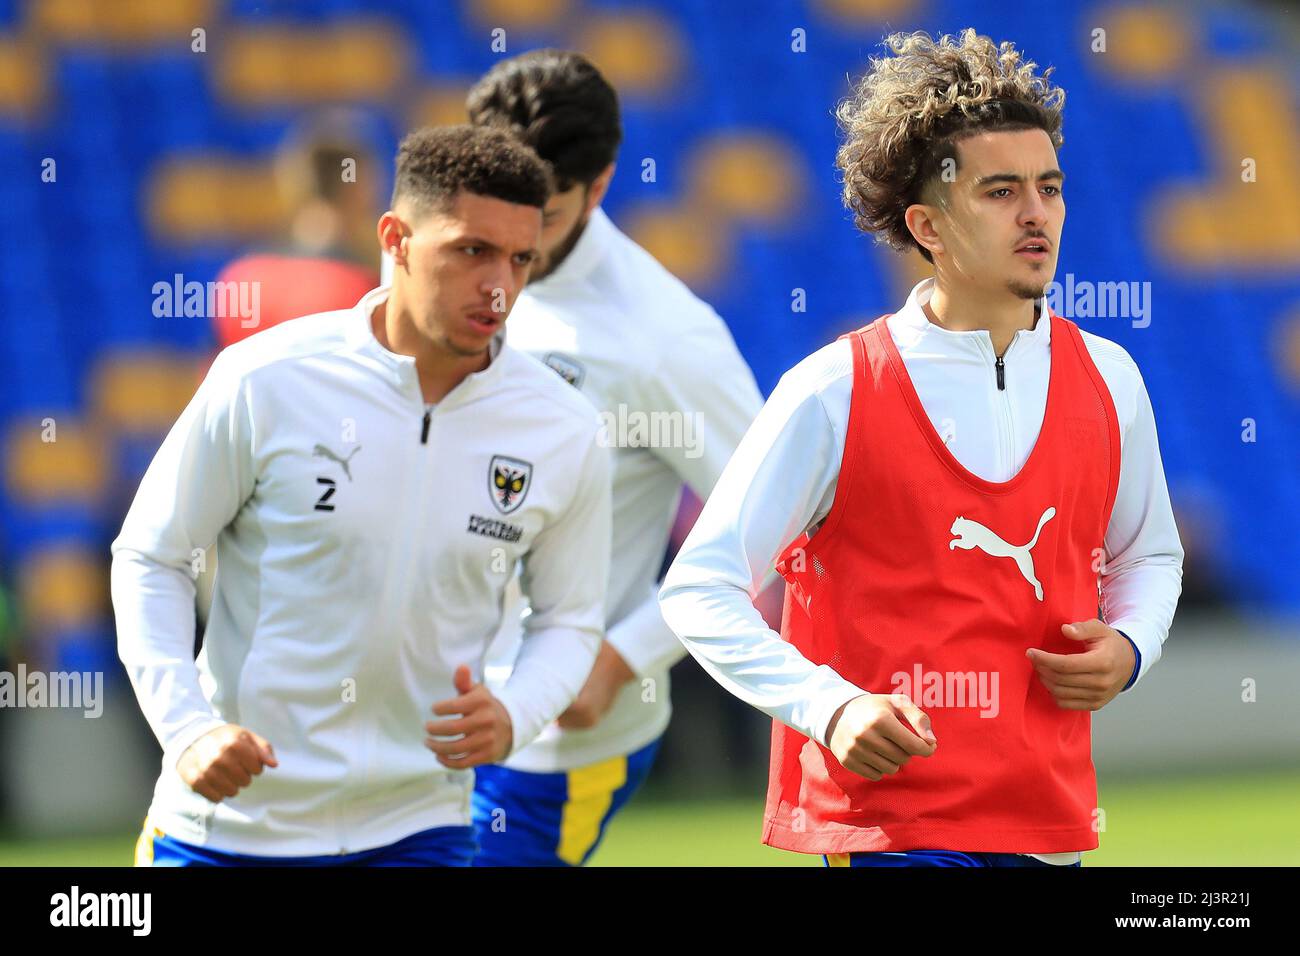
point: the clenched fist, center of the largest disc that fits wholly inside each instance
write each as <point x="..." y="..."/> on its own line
<point x="868" y="737"/>
<point x="483" y="730"/>
<point x="224" y="761"/>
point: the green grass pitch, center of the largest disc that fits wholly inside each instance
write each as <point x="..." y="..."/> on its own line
<point x="1239" y="820"/>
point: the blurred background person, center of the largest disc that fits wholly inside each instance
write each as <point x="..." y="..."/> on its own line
<point x="326" y="178"/>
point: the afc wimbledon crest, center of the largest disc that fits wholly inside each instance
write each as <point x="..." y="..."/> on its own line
<point x="508" y="480"/>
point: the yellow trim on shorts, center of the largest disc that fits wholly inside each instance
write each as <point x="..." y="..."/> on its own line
<point x="591" y="792"/>
<point x="144" y="844"/>
<point x="837" y="859"/>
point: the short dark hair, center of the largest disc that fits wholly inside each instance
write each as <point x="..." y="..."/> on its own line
<point x="437" y="162"/>
<point x="557" y="102"/>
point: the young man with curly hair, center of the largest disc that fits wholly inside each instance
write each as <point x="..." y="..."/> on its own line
<point x="965" y="499"/>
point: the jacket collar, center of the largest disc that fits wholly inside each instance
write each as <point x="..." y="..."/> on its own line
<point x="914" y="326"/>
<point x="399" y="370"/>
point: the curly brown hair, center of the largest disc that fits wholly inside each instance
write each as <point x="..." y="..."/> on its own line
<point x="907" y="114"/>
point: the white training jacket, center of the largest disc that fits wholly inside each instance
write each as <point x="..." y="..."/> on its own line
<point x="676" y="397"/>
<point x="365" y="543"/>
<point x="782" y="482"/>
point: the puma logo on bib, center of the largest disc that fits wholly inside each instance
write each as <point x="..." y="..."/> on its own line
<point x="971" y="534"/>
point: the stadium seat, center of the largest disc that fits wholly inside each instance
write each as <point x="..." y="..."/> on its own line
<point x="642" y="54"/>
<point x="523" y="15"/>
<point x="142" y="393"/>
<point x="24" y="77"/>
<point x="207" y="198"/>
<point x="63" y="586"/>
<point x="689" y="243"/>
<point x="53" y="458"/>
<point x="352" y="61"/>
<point x="442" y="105"/>
<point x="747" y="175"/>
<point x="123" y="23"/>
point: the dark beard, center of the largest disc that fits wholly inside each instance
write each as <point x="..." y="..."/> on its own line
<point x="459" y="352"/>
<point x="1022" y="291"/>
<point x="561" y="252"/>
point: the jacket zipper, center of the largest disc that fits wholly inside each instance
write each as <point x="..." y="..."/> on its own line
<point x="362" y="769"/>
<point x="1004" y="405"/>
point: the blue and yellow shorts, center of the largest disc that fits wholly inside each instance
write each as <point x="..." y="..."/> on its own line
<point x="552" y="819"/>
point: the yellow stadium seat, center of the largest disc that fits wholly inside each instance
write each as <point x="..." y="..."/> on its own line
<point x="211" y="198"/>
<point x="439" y="106"/>
<point x="519" y="14"/>
<point x="63" y="586"/>
<point x="754" y="176"/>
<point x="120" y="22"/>
<point x="357" y="61"/>
<point x="70" y="467"/>
<point x="870" y="12"/>
<point x="691" y="244"/>
<point x="1144" y="44"/>
<point x="143" y="392"/>
<point x="23" y="77"/>
<point x="1247" y="116"/>
<point x="639" y="53"/>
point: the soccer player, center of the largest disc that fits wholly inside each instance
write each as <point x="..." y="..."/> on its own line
<point x="676" y="397"/>
<point x="947" y="491"/>
<point x="371" y="477"/>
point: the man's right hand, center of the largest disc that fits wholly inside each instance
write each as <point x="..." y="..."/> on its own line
<point x="223" y="761"/>
<point x="868" y="737"/>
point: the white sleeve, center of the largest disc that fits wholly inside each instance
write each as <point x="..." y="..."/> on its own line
<point x="643" y="638"/>
<point x="1143" y="573"/>
<point x="780" y="481"/>
<point x="705" y="380"/>
<point x="565" y="575"/>
<point x="196" y="484"/>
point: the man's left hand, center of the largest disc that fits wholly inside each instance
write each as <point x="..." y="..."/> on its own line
<point x="608" y="675"/>
<point x="1090" y="679"/>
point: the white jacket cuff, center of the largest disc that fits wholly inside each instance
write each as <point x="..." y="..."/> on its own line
<point x="1148" y="643"/>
